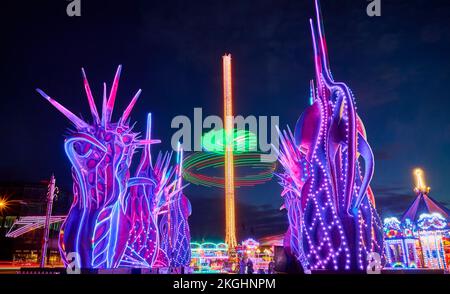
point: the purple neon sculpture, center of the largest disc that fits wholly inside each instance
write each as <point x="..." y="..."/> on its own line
<point x="328" y="165"/>
<point x="117" y="220"/>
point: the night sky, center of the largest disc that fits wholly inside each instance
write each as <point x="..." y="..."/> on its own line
<point x="398" y="66"/>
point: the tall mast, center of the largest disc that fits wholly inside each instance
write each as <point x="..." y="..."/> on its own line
<point x="230" y="216"/>
<point x="48" y="215"/>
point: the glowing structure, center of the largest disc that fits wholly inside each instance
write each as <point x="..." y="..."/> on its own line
<point x="3" y="204"/>
<point x="423" y="231"/>
<point x="423" y="202"/>
<point x="421" y="186"/>
<point x="51" y="195"/>
<point x="432" y="229"/>
<point x="197" y="165"/>
<point x="400" y="244"/>
<point x="117" y="220"/>
<point x="241" y="141"/>
<point x="228" y="148"/>
<point x="419" y="244"/>
<point x="27" y="224"/>
<point x="245" y="155"/>
<point x="208" y="257"/>
<point x="230" y="211"/>
<point x="333" y="224"/>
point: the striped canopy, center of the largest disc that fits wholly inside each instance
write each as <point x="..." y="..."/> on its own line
<point x="425" y="204"/>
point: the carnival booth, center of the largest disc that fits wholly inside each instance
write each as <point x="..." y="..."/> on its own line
<point x="400" y="244"/>
<point x="208" y="257"/>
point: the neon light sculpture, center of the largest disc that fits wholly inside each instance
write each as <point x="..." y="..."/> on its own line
<point x="117" y="220"/>
<point x="27" y="224"/>
<point x="333" y="224"/>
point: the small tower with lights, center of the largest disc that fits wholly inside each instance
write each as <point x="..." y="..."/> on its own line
<point x="423" y="204"/>
<point x="431" y="223"/>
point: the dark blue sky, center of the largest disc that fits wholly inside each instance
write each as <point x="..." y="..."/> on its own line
<point x="397" y="65"/>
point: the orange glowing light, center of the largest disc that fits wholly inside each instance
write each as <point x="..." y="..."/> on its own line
<point x="3" y="203"/>
<point x="420" y="181"/>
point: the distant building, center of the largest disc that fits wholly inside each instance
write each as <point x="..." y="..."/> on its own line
<point x="29" y="199"/>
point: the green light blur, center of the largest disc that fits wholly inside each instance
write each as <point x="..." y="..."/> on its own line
<point x="197" y="164"/>
<point x="241" y="141"/>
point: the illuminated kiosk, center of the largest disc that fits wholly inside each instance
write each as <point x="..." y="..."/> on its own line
<point x="400" y="244"/>
<point x="432" y="229"/>
<point x="328" y="165"/>
<point x="420" y="239"/>
<point x="118" y="220"/>
<point x="208" y="257"/>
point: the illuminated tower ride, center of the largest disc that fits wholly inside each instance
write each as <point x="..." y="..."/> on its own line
<point x="230" y="217"/>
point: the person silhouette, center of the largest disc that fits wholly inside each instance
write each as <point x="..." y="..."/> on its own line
<point x="250" y="267"/>
<point x="242" y="266"/>
<point x="271" y="268"/>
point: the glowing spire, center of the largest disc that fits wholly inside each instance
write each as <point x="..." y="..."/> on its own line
<point x="312" y="96"/>
<point x="106" y="109"/>
<point x="322" y="41"/>
<point x="91" y="101"/>
<point x="104" y="102"/>
<point x="421" y="186"/>
<point x="130" y="106"/>
<point x="230" y="217"/>
<point x="113" y="94"/>
<point x="78" y="122"/>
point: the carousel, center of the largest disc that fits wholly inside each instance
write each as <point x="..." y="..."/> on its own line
<point x="420" y="239"/>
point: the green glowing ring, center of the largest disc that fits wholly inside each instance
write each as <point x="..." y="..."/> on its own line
<point x="195" y="165"/>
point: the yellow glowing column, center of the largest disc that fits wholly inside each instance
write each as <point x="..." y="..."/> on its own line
<point x="230" y="217"/>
